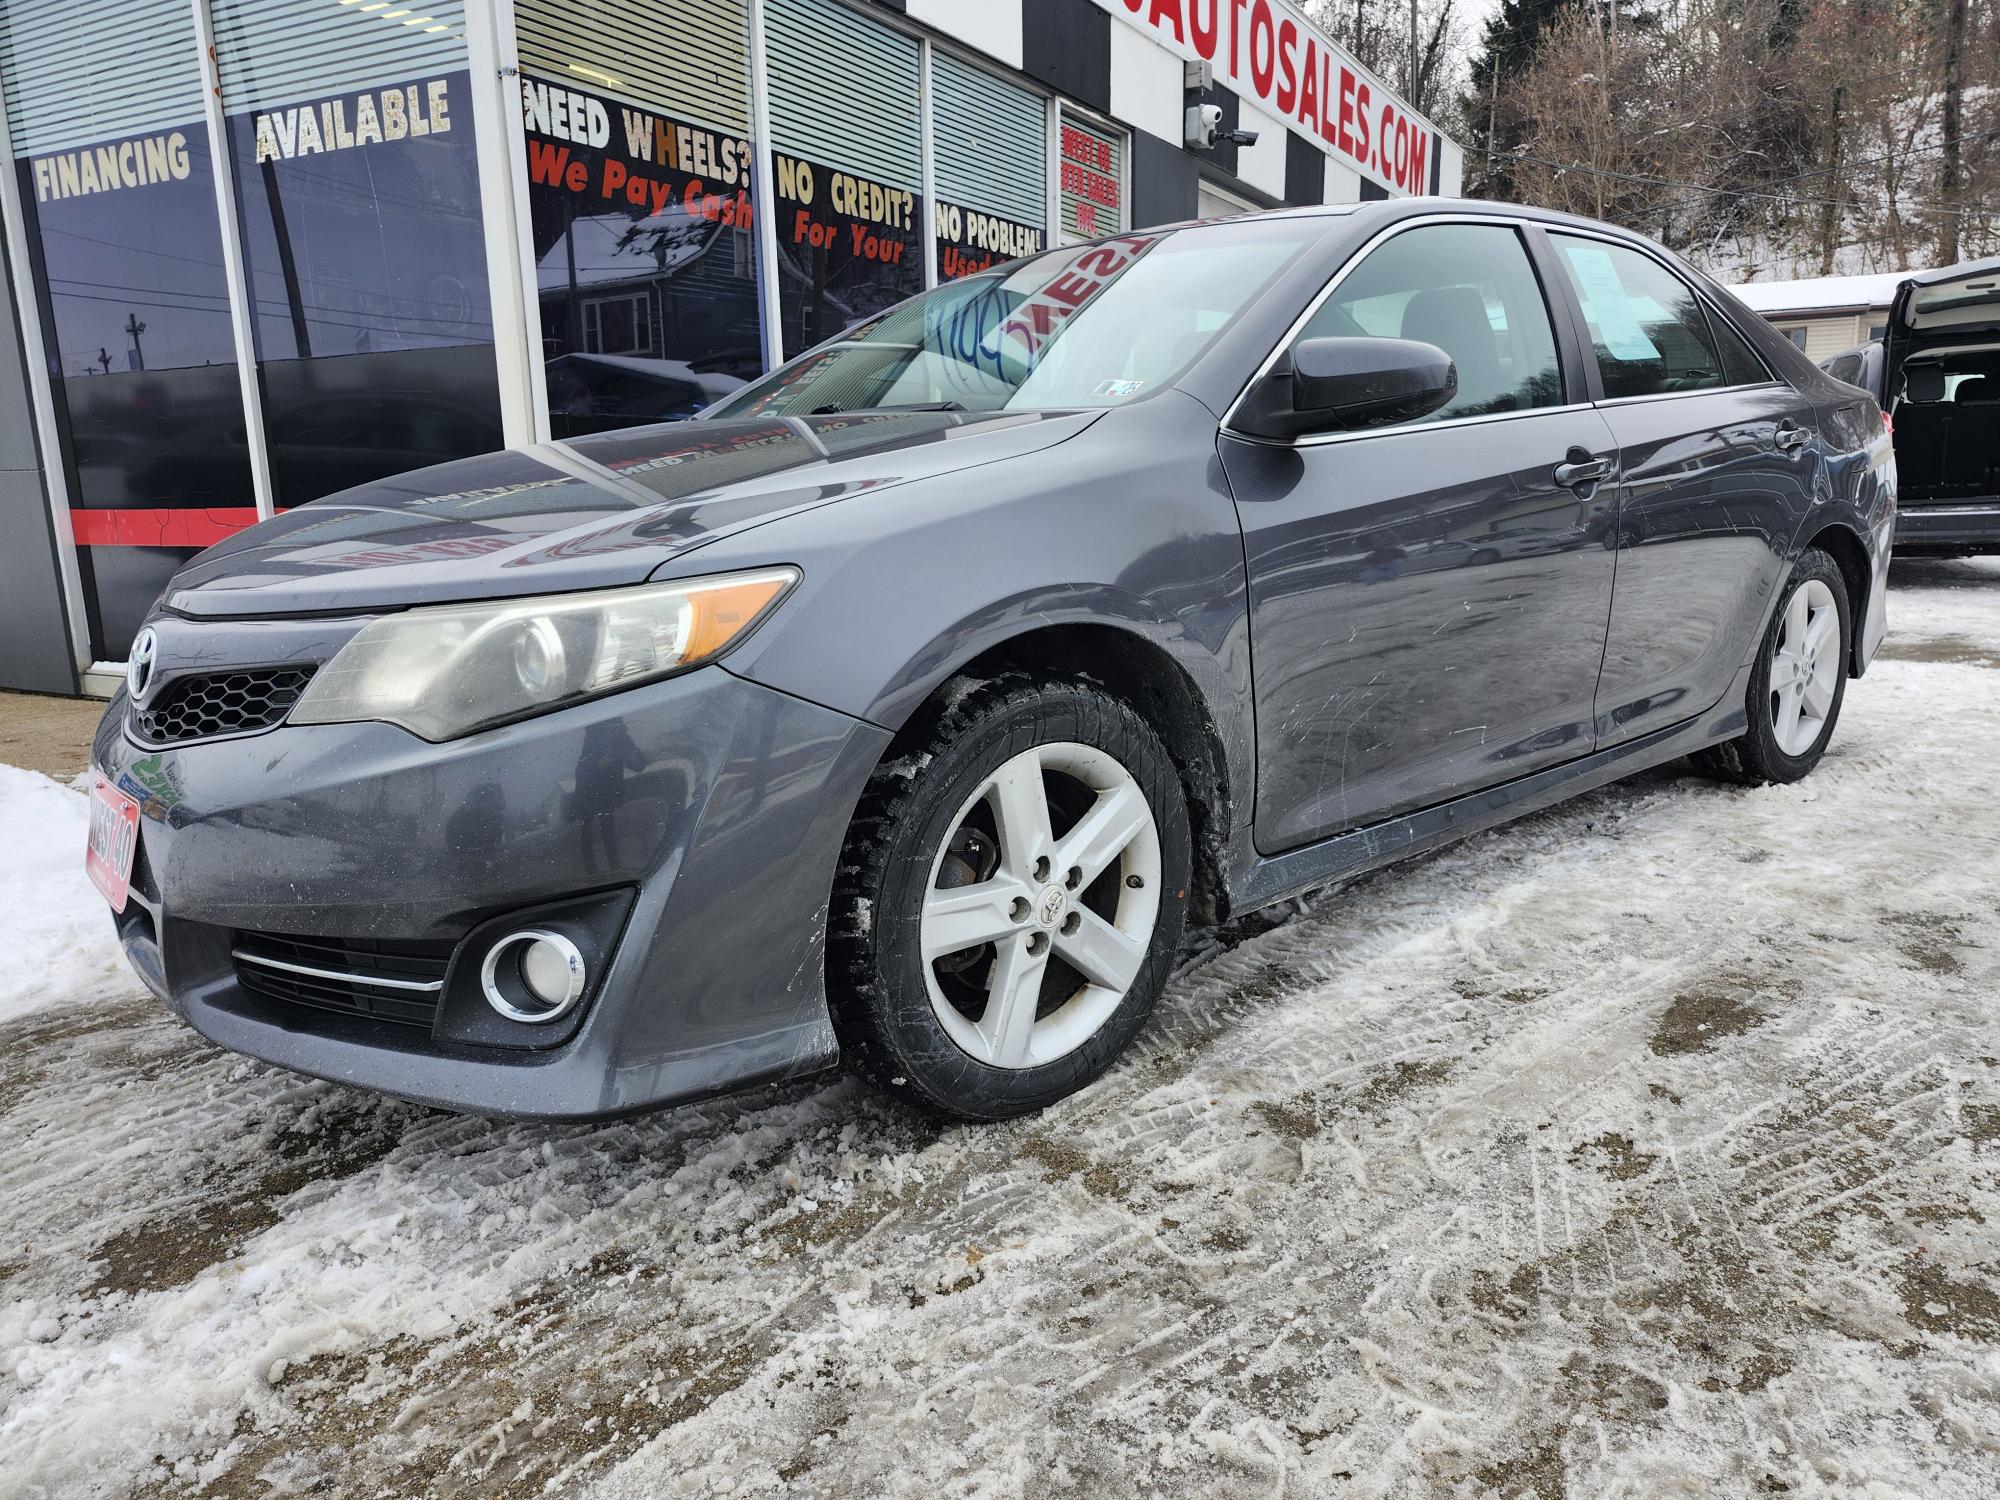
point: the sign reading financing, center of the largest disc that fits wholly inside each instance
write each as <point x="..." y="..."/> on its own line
<point x="1269" y="53"/>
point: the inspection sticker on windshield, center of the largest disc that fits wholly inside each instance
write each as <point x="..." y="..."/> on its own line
<point x="1118" y="390"/>
<point x="114" y="838"/>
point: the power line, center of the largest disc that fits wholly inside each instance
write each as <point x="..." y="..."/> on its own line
<point x="1729" y="192"/>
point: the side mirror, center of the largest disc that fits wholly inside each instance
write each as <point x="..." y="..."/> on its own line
<point x="1341" y="384"/>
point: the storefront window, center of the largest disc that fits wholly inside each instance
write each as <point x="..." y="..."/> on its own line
<point x="1093" y="178"/>
<point x="358" y="199"/>
<point x="639" y="186"/>
<point x="847" y="164"/>
<point x="640" y="193"/>
<point x="118" y="193"/>
<point x="989" y="140"/>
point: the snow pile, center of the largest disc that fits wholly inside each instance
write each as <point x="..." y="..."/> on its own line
<point x="54" y="928"/>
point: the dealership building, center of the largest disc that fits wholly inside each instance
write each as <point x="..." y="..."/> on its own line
<point x="264" y="250"/>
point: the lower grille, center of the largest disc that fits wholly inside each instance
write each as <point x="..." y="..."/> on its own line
<point x="204" y="705"/>
<point x="381" y="978"/>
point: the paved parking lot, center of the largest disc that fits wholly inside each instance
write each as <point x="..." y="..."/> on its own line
<point x="1648" y="1147"/>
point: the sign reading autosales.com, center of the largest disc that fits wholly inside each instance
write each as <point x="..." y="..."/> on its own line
<point x="1270" y="54"/>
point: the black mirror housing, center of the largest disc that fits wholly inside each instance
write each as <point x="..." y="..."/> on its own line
<point x="1344" y="384"/>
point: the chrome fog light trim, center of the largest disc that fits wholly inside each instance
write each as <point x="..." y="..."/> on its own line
<point x="556" y="959"/>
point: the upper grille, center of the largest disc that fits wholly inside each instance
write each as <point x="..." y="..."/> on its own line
<point x="207" y="704"/>
<point x="387" y="979"/>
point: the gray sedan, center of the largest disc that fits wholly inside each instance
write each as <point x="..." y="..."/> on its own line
<point x="909" y="704"/>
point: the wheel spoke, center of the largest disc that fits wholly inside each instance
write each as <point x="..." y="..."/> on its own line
<point x="1021" y="810"/>
<point x="1100" y="952"/>
<point x="970" y="915"/>
<point x="1796" y="610"/>
<point x="1008" y="1023"/>
<point x="1102" y="834"/>
<point x="1824" y="624"/>
<point x="1818" y="696"/>
<point x="1787" y="725"/>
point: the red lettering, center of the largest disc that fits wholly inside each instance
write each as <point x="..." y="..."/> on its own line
<point x="1071" y="289"/>
<point x="614" y="176"/>
<point x="1420" y="161"/>
<point x="1345" y="138"/>
<point x="1203" y="32"/>
<point x="1236" y="9"/>
<point x="1263" y="47"/>
<point x="1309" y="87"/>
<point x="1168" y="10"/>
<point x="546" y="163"/>
<point x="1288" y="66"/>
<point x="1360" y="120"/>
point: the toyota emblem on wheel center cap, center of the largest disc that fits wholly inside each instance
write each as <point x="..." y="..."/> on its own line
<point x="1050" y="909"/>
<point x="139" y="671"/>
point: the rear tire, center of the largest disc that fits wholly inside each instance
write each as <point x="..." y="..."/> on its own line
<point x="1799" y="683"/>
<point x="1011" y="896"/>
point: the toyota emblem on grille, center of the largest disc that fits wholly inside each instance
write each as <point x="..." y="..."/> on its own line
<point x="139" y="671"/>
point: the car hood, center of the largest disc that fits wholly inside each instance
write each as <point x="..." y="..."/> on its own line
<point x="590" y="512"/>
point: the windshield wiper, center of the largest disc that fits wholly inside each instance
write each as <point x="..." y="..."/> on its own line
<point x="834" y="408"/>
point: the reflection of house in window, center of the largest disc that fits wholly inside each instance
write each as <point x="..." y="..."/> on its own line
<point x="661" y="286"/>
<point x="619" y="325"/>
<point x="644" y="318"/>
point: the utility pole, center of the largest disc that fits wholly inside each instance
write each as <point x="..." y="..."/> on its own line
<point x="1410" y="78"/>
<point x="1951" y="178"/>
<point x="1492" y="104"/>
<point x="134" y="327"/>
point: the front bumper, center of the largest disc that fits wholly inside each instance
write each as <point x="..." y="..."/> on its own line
<point x="1947" y="528"/>
<point x="717" y="804"/>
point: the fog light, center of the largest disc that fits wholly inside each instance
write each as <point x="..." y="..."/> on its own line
<point x="533" y="976"/>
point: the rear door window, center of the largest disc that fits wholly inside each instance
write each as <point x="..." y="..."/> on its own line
<point x="1740" y="364"/>
<point x="1469" y="289"/>
<point x="1646" y="324"/>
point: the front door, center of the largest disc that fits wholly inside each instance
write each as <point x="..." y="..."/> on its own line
<point x="1428" y="601"/>
<point x="1717" y="461"/>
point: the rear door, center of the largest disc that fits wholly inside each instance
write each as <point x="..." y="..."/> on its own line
<point x="1428" y="601"/>
<point x="1717" y="461"/>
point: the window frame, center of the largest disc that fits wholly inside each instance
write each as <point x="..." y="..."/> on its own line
<point x="1572" y="358"/>
<point x="593" y="322"/>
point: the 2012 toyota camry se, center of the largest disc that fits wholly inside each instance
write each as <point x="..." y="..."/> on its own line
<point x="909" y="704"/>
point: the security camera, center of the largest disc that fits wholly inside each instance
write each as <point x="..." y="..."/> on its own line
<point x="1241" y="137"/>
<point x="1203" y="121"/>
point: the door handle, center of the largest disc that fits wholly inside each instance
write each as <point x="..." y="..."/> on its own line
<point x="1791" y="435"/>
<point x="1579" y="472"/>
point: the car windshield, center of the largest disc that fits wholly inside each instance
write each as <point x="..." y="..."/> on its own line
<point x="1085" y="326"/>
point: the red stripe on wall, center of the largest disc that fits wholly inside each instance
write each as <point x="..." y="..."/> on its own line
<point x="188" y="527"/>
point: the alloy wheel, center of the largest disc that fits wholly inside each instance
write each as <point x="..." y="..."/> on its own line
<point x="1805" y="667"/>
<point x="1040" y="906"/>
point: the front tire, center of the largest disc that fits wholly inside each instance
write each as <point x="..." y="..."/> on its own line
<point x="1011" y="897"/>
<point x="1798" y="685"/>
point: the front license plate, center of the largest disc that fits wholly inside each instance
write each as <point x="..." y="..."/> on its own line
<point x="114" y="838"/>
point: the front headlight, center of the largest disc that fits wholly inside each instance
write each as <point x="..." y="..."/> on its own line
<point x="444" y="671"/>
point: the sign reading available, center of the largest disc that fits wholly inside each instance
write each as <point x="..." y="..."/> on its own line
<point x="1269" y="53"/>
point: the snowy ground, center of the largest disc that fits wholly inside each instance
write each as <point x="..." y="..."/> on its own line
<point x="1649" y="1147"/>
